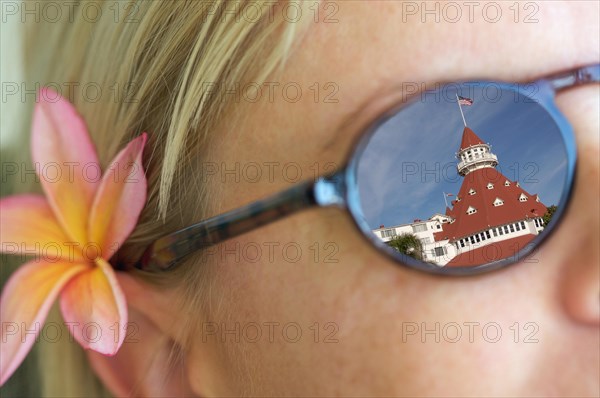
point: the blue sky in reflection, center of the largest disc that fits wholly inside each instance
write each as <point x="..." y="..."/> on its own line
<point x="410" y="161"/>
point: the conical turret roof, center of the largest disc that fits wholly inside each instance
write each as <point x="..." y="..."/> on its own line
<point x="469" y="139"/>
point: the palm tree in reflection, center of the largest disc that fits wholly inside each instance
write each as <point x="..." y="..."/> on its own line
<point x="549" y="213"/>
<point x="408" y="244"/>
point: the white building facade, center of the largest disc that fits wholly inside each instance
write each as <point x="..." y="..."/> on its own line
<point x="491" y="218"/>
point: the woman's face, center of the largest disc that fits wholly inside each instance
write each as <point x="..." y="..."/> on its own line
<point x="368" y="326"/>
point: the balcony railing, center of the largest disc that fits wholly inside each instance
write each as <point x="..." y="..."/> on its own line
<point x="486" y="158"/>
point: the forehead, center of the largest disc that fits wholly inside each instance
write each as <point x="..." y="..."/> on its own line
<point x="358" y="57"/>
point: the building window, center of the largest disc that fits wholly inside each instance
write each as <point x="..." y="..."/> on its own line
<point x="419" y="228"/>
<point x="512" y="227"/>
<point x="471" y="210"/>
<point x="462" y="243"/>
<point x="472" y="239"/>
<point x="487" y="233"/>
<point x="490" y="185"/>
<point x="501" y="231"/>
<point x="518" y="226"/>
<point x="505" y="229"/>
<point x="506" y="183"/>
<point x="425" y="240"/>
<point x="388" y="233"/>
<point x="477" y="238"/>
<point x="498" y="202"/>
<point x="472" y="191"/>
<point x="495" y="231"/>
<point x="523" y="198"/>
<point x="439" y="251"/>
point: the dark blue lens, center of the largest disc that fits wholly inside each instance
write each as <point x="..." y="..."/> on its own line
<point x="463" y="176"/>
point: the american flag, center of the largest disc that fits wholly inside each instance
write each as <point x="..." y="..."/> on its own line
<point x="465" y="100"/>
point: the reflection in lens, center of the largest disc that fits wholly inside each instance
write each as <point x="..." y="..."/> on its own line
<point x="464" y="176"/>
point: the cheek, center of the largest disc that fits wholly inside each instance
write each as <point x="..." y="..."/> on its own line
<point x="316" y="310"/>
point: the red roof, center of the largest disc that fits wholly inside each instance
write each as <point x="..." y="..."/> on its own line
<point x="469" y="139"/>
<point x="488" y="215"/>
<point x="492" y="252"/>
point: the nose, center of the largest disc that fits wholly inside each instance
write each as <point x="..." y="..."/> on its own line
<point x="579" y="234"/>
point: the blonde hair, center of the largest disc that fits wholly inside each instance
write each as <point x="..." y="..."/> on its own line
<point x="151" y="64"/>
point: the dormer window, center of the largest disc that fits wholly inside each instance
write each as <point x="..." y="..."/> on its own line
<point x="471" y="210"/>
<point x="506" y="183"/>
<point x="490" y="185"/>
<point x="498" y="202"/>
<point x="523" y="198"/>
<point x="517" y="184"/>
<point x="472" y="191"/>
<point x="458" y="198"/>
<point x="537" y="198"/>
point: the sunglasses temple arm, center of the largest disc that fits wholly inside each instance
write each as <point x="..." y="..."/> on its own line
<point x="584" y="75"/>
<point x="167" y="251"/>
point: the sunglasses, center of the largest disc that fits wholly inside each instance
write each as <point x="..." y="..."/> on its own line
<point x="466" y="178"/>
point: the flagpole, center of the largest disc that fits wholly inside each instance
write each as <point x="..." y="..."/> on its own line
<point x="461" y="112"/>
<point x="445" y="200"/>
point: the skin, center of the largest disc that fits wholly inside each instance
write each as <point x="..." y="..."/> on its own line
<point x="368" y="54"/>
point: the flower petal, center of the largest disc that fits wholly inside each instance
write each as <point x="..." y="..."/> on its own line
<point x="66" y="162"/>
<point x="28" y="226"/>
<point x="94" y="305"/>
<point x="119" y="200"/>
<point x="26" y="300"/>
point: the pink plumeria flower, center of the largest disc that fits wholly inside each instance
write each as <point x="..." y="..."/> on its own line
<point x="82" y="219"/>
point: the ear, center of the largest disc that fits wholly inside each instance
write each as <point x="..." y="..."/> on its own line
<point x="144" y="365"/>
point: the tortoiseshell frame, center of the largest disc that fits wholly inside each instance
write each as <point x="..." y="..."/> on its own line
<point x="340" y="190"/>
